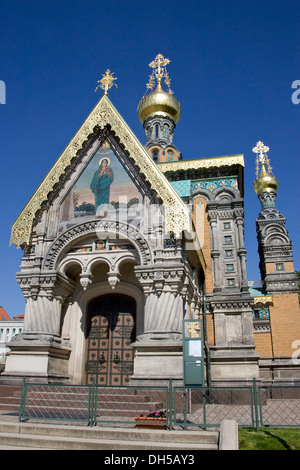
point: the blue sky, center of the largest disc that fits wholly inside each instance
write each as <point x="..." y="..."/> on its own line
<point x="232" y="67"/>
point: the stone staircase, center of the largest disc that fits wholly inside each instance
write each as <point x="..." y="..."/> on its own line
<point x="112" y="402"/>
<point x="10" y="397"/>
<point x="59" y="403"/>
<point x="39" y="434"/>
<point x="70" y="437"/>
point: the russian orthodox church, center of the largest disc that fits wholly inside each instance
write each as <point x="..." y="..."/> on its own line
<point x="122" y="242"/>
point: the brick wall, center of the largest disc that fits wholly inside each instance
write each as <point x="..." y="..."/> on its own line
<point x="285" y="323"/>
<point x="288" y="267"/>
<point x="263" y="344"/>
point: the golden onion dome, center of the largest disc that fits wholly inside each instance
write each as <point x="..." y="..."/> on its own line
<point x="265" y="183"/>
<point x="159" y="103"/>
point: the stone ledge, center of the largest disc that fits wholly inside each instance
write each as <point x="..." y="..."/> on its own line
<point x="229" y="435"/>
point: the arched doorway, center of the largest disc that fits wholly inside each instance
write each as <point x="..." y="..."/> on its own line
<point x="111" y="331"/>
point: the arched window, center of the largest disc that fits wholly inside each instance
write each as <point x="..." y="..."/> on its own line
<point x="166" y="131"/>
<point x="170" y="156"/>
<point x="155" y="155"/>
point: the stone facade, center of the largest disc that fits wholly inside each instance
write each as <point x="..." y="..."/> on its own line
<point x="169" y="241"/>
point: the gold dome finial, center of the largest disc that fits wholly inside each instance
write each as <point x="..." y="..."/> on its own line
<point x="261" y="156"/>
<point x="159" y="72"/>
<point x="159" y="102"/>
<point x="266" y="181"/>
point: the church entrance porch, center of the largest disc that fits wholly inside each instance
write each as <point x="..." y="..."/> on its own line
<point x="111" y="332"/>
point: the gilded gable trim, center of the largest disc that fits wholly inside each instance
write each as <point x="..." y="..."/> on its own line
<point x="104" y="113"/>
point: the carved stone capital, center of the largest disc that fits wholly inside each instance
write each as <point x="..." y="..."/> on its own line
<point x="50" y="285"/>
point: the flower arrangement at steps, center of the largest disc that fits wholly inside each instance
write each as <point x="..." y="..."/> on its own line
<point x="156" y="414"/>
<point x="153" y="419"/>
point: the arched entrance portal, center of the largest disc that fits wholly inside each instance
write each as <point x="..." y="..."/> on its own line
<point x="110" y="333"/>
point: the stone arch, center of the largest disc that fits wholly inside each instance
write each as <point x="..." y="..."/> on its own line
<point x="274" y="233"/>
<point x="225" y="194"/>
<point x="125" y="259"/>
<point x="276" y="238"/>
<point x="95" y="262"/>
<point x="71" y="267"/>
<point x="60" y="246"/>
<point x="217" y="194"/>
<point x="202" y="193"/>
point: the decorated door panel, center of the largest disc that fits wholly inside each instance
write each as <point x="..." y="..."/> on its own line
<point x="109" y="343"/>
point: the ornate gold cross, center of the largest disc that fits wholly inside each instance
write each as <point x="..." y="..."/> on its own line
<point x="159" y="71"/>
<point x="106" y="81"/>
<point x="260" y="149"/>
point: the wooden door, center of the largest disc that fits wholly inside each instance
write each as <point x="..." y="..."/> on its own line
<point x="109" y="344"/>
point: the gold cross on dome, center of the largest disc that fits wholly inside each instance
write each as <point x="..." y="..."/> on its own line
<point x="158" y="63"/>
<point x="159" y="71"/>
<point x="106" y="81"/>
<point x="261" y="149"/>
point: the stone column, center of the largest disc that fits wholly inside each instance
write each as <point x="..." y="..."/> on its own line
<point x="158" y="350"/>
<point x="163" y="314"/>
<point x="215" y="252"/>
<point x="39" y="352"/>
<point x="42" y="316"/>
<point x="241" y="251"/>
<point x="44" y="294"/>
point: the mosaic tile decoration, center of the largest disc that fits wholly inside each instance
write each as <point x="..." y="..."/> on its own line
<point x="263" y="314"/>
<point x="229" y="268"/>
<point x="279" y="267"/>
<point x="211" y="185"/>
<point x="184" y="187"/>
<point x="228" y="254"/>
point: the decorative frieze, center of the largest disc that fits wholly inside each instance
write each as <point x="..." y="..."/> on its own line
<point x="110" y="226"/>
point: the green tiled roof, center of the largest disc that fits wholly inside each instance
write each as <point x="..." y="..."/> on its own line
<point x="183" y="188"/>
<point x="257" y="292"/>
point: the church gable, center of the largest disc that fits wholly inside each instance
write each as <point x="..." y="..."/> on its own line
<point x="104" y="119"/>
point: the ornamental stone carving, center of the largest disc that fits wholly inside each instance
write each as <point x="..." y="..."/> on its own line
<point x="110" y="226"/>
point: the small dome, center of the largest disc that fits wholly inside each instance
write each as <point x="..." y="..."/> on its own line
<point x="159" y="103"/>
<point x="265" y="183"/>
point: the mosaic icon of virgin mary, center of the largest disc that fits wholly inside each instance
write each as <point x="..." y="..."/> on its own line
<point x="100" y="185"/>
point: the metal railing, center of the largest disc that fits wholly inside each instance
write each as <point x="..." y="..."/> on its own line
<point x="279" y="406"/>
<point x="199" y="407"/>
<point x="125" y="405"/>
<point x="207" y="406"/>
<point x="56" y="402"/>
<point x="94" y="405"/>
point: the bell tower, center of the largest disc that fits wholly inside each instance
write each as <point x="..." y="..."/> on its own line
<point x="159" y="111"/>
<point x="278" y="277"/>
<point x="274" y="244"/>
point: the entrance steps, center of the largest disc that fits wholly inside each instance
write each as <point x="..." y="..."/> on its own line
<point x="69" y="437"/>
<point x="10" y="397"/>
<point x="57" y="402"/>
<point x="124" y="402"/>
